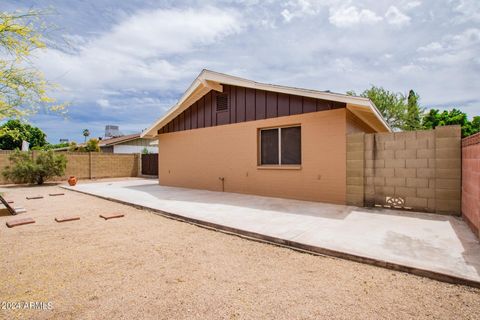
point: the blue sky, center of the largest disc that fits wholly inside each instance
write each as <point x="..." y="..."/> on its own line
<point x="127" y="62"/>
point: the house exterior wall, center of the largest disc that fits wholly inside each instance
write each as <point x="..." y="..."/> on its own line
<point x="132" y="146"/>
<point x="125" y="148"/>
<point x="356" y="125"/>
<point x="106" y="149"/>
<point x="138" y="142"/>
<point x="471" y="182"/>
<point x="245" y="104"/>
<point x="198" y="158"/>
<point x="355" y="188"/>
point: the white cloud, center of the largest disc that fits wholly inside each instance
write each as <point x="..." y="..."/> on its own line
<point x="298" y="9"/>
<point x="410" y="69"/>
<point x="350" y="16"/>
<point x="103" y="102"/>
<point x="467" y="38"/>
<point x="170" y="31"/>
<point x="412" y="5"/>
<point x="433" y="46"/>
<point x="467" y="10"/>
<point x="287" y="15"/>
<point x="453" y="50"/>
<point x="395" y="17"/>
<point x="142" y="61"/>
<point x="343" y="64"/>
<point x="136" y="53"/>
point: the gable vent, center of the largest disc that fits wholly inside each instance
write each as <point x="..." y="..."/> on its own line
<point x="222" y="102"/>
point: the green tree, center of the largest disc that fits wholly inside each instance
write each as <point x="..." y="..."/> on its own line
<point x="13" y="132"/>
<point x="23" y="88"/>
<point x="50" y="146"/>
<point x="392" y="105"/>
<point x="413" y="115"/>
<point x="475" y="124"/>
<point x="435" y="118"/>
<point x="73" y="146"/>
<point x="25" y="169"/>
<point x="86" y="133"/>
<point x="91" y="145"/>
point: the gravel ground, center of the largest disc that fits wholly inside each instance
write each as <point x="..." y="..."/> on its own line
<point x="148" y="266"/>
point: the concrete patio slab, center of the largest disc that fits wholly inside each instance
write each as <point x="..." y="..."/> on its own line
<point x="439" y="247"/>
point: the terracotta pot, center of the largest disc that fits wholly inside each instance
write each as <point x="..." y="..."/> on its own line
<point x="72" y="181"/>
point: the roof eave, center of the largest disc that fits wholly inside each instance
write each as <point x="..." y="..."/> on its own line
<point x="210" y="80"/>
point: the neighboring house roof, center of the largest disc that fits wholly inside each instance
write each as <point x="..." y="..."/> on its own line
<point x="210" y="80"/>
<point x="111" y="141"/>
<point x="62" y="149"/>
<point x="117" y="140"/>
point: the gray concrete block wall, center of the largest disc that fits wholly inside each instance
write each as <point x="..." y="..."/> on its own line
<point x="420" y="170"/>
<point x="448" y="169"/>
<point x="355" y="169"/>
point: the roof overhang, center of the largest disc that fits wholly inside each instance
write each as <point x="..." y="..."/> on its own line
<point x="118" y="140"/>
<point x="371" y="116"/>
<point x="209" y="80"/>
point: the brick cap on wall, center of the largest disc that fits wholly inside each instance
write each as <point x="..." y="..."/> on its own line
<point x="471" y="140"/>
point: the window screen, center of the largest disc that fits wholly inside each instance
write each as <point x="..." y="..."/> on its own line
<point x="285" y="149"/>
<point x="291" y="145"/>
<point x="269" y="146"/>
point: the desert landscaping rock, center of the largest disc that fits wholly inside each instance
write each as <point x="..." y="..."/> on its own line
<point x="19" y="222"/>
<point x="432" y="245"/>
<point x="108" y="216"/>
<point x="66" y="219"/>
<point x="34" y="197"/>
<point x="149" y="267"/>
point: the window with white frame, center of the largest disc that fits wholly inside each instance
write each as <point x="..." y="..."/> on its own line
<point x="280" y="146"/>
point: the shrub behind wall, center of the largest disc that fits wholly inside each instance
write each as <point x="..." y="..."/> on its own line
<point x="85" y="165"/>
<point x="25" y="168"/>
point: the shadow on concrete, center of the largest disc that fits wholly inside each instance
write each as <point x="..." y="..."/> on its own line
<point x="469" y="242"/>
<point x="314" y="209"/>
<point x="466" y="237"/>
<point x="404" y="213"/>
<point x="310" y="208"/>
<point x="318" y="209"/>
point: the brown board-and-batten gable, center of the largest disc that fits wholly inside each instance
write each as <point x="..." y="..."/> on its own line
<point x="244" y="104"/>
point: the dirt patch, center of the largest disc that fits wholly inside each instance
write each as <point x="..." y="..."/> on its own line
<point x="147" y="266"/>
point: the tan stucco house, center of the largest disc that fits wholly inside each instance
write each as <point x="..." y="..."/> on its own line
<point x="237" y="135"/>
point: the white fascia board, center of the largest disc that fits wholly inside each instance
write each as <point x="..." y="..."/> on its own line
<point x="152" y="130"/>
<point x="212" y="80"/>
<point x="236" y="81"/>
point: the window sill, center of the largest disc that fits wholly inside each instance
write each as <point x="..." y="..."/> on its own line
<point x="280" y="167"/>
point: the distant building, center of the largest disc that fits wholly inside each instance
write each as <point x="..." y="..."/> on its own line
<point x="116" y="142"/>
<point x="112" y="131"/>
<point x="131" y="143"/>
